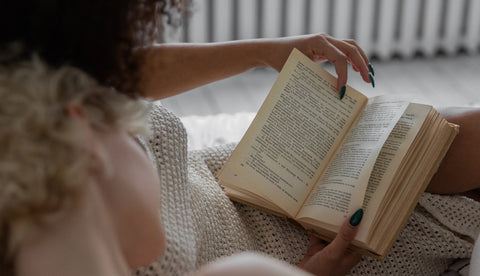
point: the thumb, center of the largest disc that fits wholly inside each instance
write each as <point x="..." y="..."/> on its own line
<point x="346" y="235"/>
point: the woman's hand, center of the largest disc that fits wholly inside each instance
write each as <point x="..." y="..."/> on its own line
<point x="335" y="258"/>
<point x="322" y="47"/>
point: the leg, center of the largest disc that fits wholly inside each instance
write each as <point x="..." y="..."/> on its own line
<point x="460" y="170"/>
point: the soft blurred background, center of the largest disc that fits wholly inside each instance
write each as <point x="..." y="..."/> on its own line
<point x="424" y="50"/>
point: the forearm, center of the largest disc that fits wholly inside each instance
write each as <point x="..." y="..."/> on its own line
<point x="169" y="69"/>
<point x="174" y="68"/>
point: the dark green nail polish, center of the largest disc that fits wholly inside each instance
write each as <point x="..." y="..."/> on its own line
<point x="372" y="80"/>
<point x="370" y="67"/>
<point x="342" y="92"/>
<point x="356" y="218"/>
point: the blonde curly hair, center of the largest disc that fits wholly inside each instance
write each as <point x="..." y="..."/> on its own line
<point x="43" y="155"/>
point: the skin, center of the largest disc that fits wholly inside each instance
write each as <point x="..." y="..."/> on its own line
<point x="108" y="207"/>
<point x="170" y="69"/>
<point x="185" y="66"/>
<point x="334" y="258"/>
<point x="125" y="192"/>
<point x="116" y="215"/>
<point x="458" y="172"/>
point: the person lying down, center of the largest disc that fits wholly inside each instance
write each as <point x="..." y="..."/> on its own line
<point x="83" y="176"/>
<point x="79" y="192"/>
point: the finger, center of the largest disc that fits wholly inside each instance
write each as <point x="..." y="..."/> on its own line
<point x="316" y="245"/>
<point x="349" y="260"/>
<point x="354" y="54"/>
<point x="329" y="260"/>
<point x="346" y="235"/>
<point x="355" y="68"/>
<point x="339" y="60"/>
<point x="354" y="43"/>
<point x="315" y="240"/>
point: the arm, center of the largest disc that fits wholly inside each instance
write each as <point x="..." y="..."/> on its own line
<point x="170" y="69"/>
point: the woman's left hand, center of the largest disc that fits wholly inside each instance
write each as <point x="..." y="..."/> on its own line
<point x="321" y="47"/>
<point x="335" y="258"/>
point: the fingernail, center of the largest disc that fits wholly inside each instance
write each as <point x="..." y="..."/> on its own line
<point x="356" y="218"/>
<point x="372" y="80"/>
<point x="342" y="92"/>
<point x="370" y="67"/>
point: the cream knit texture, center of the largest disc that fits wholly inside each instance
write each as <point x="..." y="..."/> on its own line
<point x="202" y="224"/>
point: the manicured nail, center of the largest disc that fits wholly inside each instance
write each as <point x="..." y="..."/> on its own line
<point x="372" y="80"/>
<point x="342" y="92"/>
<point x="356" y="218"/>
<point x="370" y="67"/>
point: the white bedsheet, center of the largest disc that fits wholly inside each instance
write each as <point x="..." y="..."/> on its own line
<point x="213" y="130"/>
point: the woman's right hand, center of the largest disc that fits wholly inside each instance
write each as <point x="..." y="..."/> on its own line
<point x="334" y="258"/>
<point x="322" y="47"/>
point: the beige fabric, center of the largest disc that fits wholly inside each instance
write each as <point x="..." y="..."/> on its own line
<point x="202" y="224"/>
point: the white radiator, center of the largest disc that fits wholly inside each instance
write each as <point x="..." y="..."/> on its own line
<point x="383" y="28"/>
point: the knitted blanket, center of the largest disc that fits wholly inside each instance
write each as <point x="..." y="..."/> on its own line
<point x="202" y="224"/>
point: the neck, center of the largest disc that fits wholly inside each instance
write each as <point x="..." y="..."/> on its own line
<point x="82" y="242"/>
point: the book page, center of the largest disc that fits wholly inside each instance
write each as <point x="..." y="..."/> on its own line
<point x="340" y="191"/>
<point x="388" y="161"/>
<point x="293" y="136"/>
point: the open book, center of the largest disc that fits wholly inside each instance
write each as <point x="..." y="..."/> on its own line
<point x="315" y="159"/>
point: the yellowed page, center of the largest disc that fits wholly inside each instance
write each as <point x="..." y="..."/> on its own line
<point x="341" y="190"/>
<point x="293" y="136"/>
<point x="389" y="159"/>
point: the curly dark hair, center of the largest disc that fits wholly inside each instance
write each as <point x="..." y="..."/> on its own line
<point x="97" y="36"/>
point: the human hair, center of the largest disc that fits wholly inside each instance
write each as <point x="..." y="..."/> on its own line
<point x="97" y="36"/>
<point x="44" y="158"/>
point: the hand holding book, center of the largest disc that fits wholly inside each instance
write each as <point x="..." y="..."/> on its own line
<point x="314" y="159"/>
<point x="322" y="47"/>
<point x="334" y="258"/>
